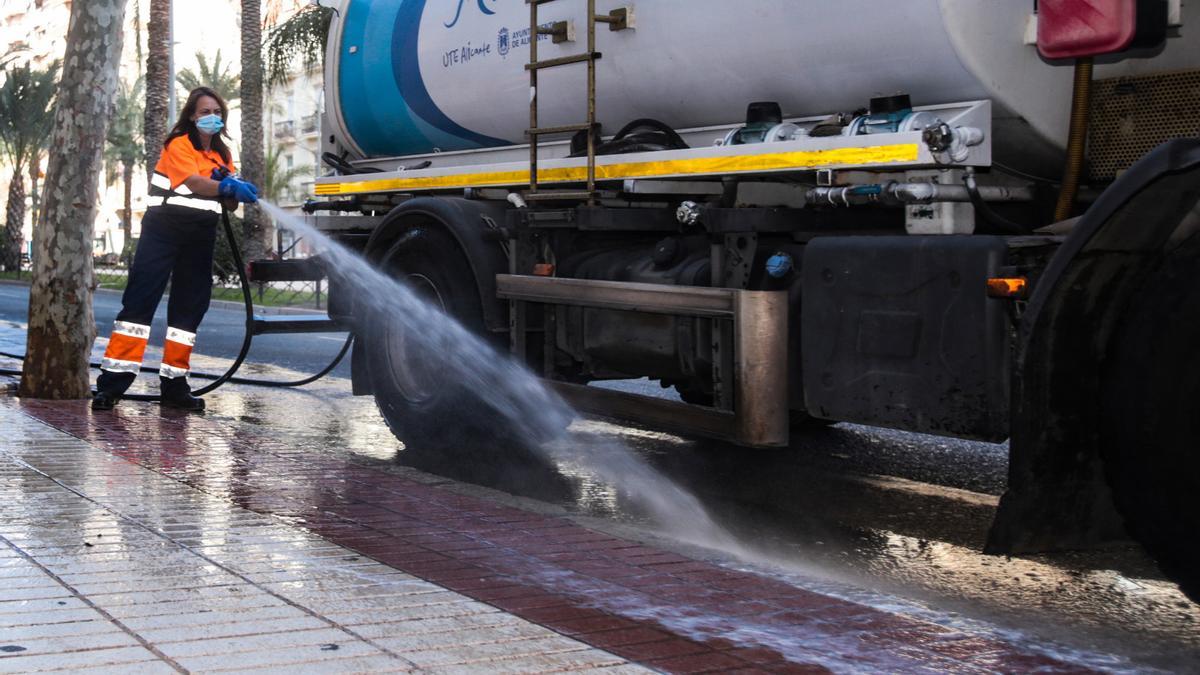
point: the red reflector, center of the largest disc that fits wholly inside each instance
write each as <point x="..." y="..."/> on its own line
<point x="1070" y="29"/>
<point x="543" y="270"/>
<point x="1007" y="287"/>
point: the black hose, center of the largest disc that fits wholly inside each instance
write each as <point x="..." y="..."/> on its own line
<point x="211" y="376"/>
<point x="227" y="376"/>
<point x="652" y="136"/>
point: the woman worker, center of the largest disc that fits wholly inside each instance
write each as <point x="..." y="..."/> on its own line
<point x="194" y="177"/>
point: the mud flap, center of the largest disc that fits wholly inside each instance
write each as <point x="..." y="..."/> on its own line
<point x="1057" y="496"/>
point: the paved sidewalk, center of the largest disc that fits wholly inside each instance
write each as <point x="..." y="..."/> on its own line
<point x="192" y="543"/>
<point x="107" y="565"/>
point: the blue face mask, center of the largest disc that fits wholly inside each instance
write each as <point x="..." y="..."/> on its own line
<point x="210" y="124"/>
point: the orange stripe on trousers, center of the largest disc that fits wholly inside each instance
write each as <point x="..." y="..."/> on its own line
<point x="125" y="348"/>
<point x="177" y="355"/>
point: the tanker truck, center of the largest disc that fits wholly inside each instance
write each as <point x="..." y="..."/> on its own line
<point x="969" y="218"/>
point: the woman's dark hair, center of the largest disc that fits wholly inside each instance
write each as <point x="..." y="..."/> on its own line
<point x="186" y="127"/>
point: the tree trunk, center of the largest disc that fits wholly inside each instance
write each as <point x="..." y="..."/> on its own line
<point x="10" y="253"/>
<point x="127" y="221"/>
<point x="253" y="229"/>
<point x="61" y="324"/>
<point x="35" y="197"/>
<point x="158" y="81"/>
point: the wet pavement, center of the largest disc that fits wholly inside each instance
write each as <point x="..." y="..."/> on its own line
<point x="860" y="548"/>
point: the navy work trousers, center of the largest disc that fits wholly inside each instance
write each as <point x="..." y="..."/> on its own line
<point x="177" y="245"/>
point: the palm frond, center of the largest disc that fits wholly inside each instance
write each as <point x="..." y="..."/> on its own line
<point x="301" y="37"/>
<point x="124" y="135"/>
<point x="277" y="180"/>
<point x="26" y="111"/>
<point x="216" y="75"/>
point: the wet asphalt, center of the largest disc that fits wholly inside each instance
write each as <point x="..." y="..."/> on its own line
<point x="900" y="517"/>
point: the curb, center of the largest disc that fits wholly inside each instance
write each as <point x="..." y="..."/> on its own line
<point x="219" y="304"/>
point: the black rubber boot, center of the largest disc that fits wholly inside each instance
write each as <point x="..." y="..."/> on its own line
<point x="109" y="388"/>
<point x="104" y="400"/>
<point x="177" y="394"/>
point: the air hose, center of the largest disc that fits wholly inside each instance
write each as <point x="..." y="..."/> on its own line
<point x="228" y="375"/>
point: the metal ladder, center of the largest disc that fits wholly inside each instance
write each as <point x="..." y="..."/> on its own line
<point x="617" y="20"/>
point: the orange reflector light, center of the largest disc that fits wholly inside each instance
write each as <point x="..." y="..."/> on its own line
<point x="1007" y="287"/>
<point x="543" y="270"/>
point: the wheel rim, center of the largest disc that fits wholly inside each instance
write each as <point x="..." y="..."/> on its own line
<point x="413" y="373"/>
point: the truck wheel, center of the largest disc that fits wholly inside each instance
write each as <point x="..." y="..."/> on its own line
<point x="422" y="405"/>
<point x="1151" y="438"/>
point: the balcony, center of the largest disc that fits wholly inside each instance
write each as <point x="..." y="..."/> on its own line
<point x="310" y="124"/>
<point x="285" y="129"/>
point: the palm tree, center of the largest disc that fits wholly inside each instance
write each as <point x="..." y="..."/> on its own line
<point x="252" y="122"/>
<point x="26" y="118"/>
<point x="277" y="178"/>
<point x="158" y="81"/>
<point x="303" y="36"/>
<point x="124" y="147"/>
<point x="215" y="76"/>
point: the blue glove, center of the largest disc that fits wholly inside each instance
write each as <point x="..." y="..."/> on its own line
<point x="236" y="188"/>
<point x="219" y="174"/>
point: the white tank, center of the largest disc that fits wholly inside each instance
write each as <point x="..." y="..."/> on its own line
<point x="409" y="77"/>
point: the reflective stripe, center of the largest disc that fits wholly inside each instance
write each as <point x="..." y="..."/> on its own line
<point x="159" y="180"/>
<point x="177" y="355"/>
<point x="670" y="168"/>
<point x="125" y="348"/>
<point x="171" y="371"/>
<point x="193" y="203"/>
<point x="119" y="366"/>
<point x="183" y="189"/>
<point x="181" y="336"/>
<point x="136" y="330"/>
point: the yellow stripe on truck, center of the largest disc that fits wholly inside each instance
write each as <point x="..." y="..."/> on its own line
<point x="802" y="159"/>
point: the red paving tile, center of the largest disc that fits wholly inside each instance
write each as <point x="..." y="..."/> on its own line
<point x="706" y="662"/>
<point x="597" y="588"/>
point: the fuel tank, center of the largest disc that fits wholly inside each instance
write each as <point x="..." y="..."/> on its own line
<point x="411" y="77"/>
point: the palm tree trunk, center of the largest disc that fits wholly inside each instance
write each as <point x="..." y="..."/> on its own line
<point x="10" y="256"/>
<point x="254" y="241"/>
<point x="158" y="81"/>
<point x="127" y="221"/>
<point x="61" y="324"/>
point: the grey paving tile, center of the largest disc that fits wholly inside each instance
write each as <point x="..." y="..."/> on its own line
<point x="192" y="620"/>
<point x="48" y="605"/>
<point x="38" y="618"/>
<point x="495" y="619"/>
<point x="210" y="631"/>
<point x="359" y="664"/>
<point x="46" y="590"/>
<point x="495" y="651"/>
<point x="15" y="634"/>
<point x="541" y="663"/>
<point x="68" y="643"/>
<point x="131" y="658"/>
<point x="308" y="654"/>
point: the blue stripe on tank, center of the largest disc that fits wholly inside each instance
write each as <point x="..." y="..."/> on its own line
<point x="387" y="110"/>
<point x="405" y="49"/>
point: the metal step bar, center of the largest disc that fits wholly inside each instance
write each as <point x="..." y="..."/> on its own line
<point x="760" y="415"/>
<point x="295" y="323"/>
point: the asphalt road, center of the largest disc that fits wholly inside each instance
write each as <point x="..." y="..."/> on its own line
<point x="901" y="513"/>
<point x="220" y="334"/>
